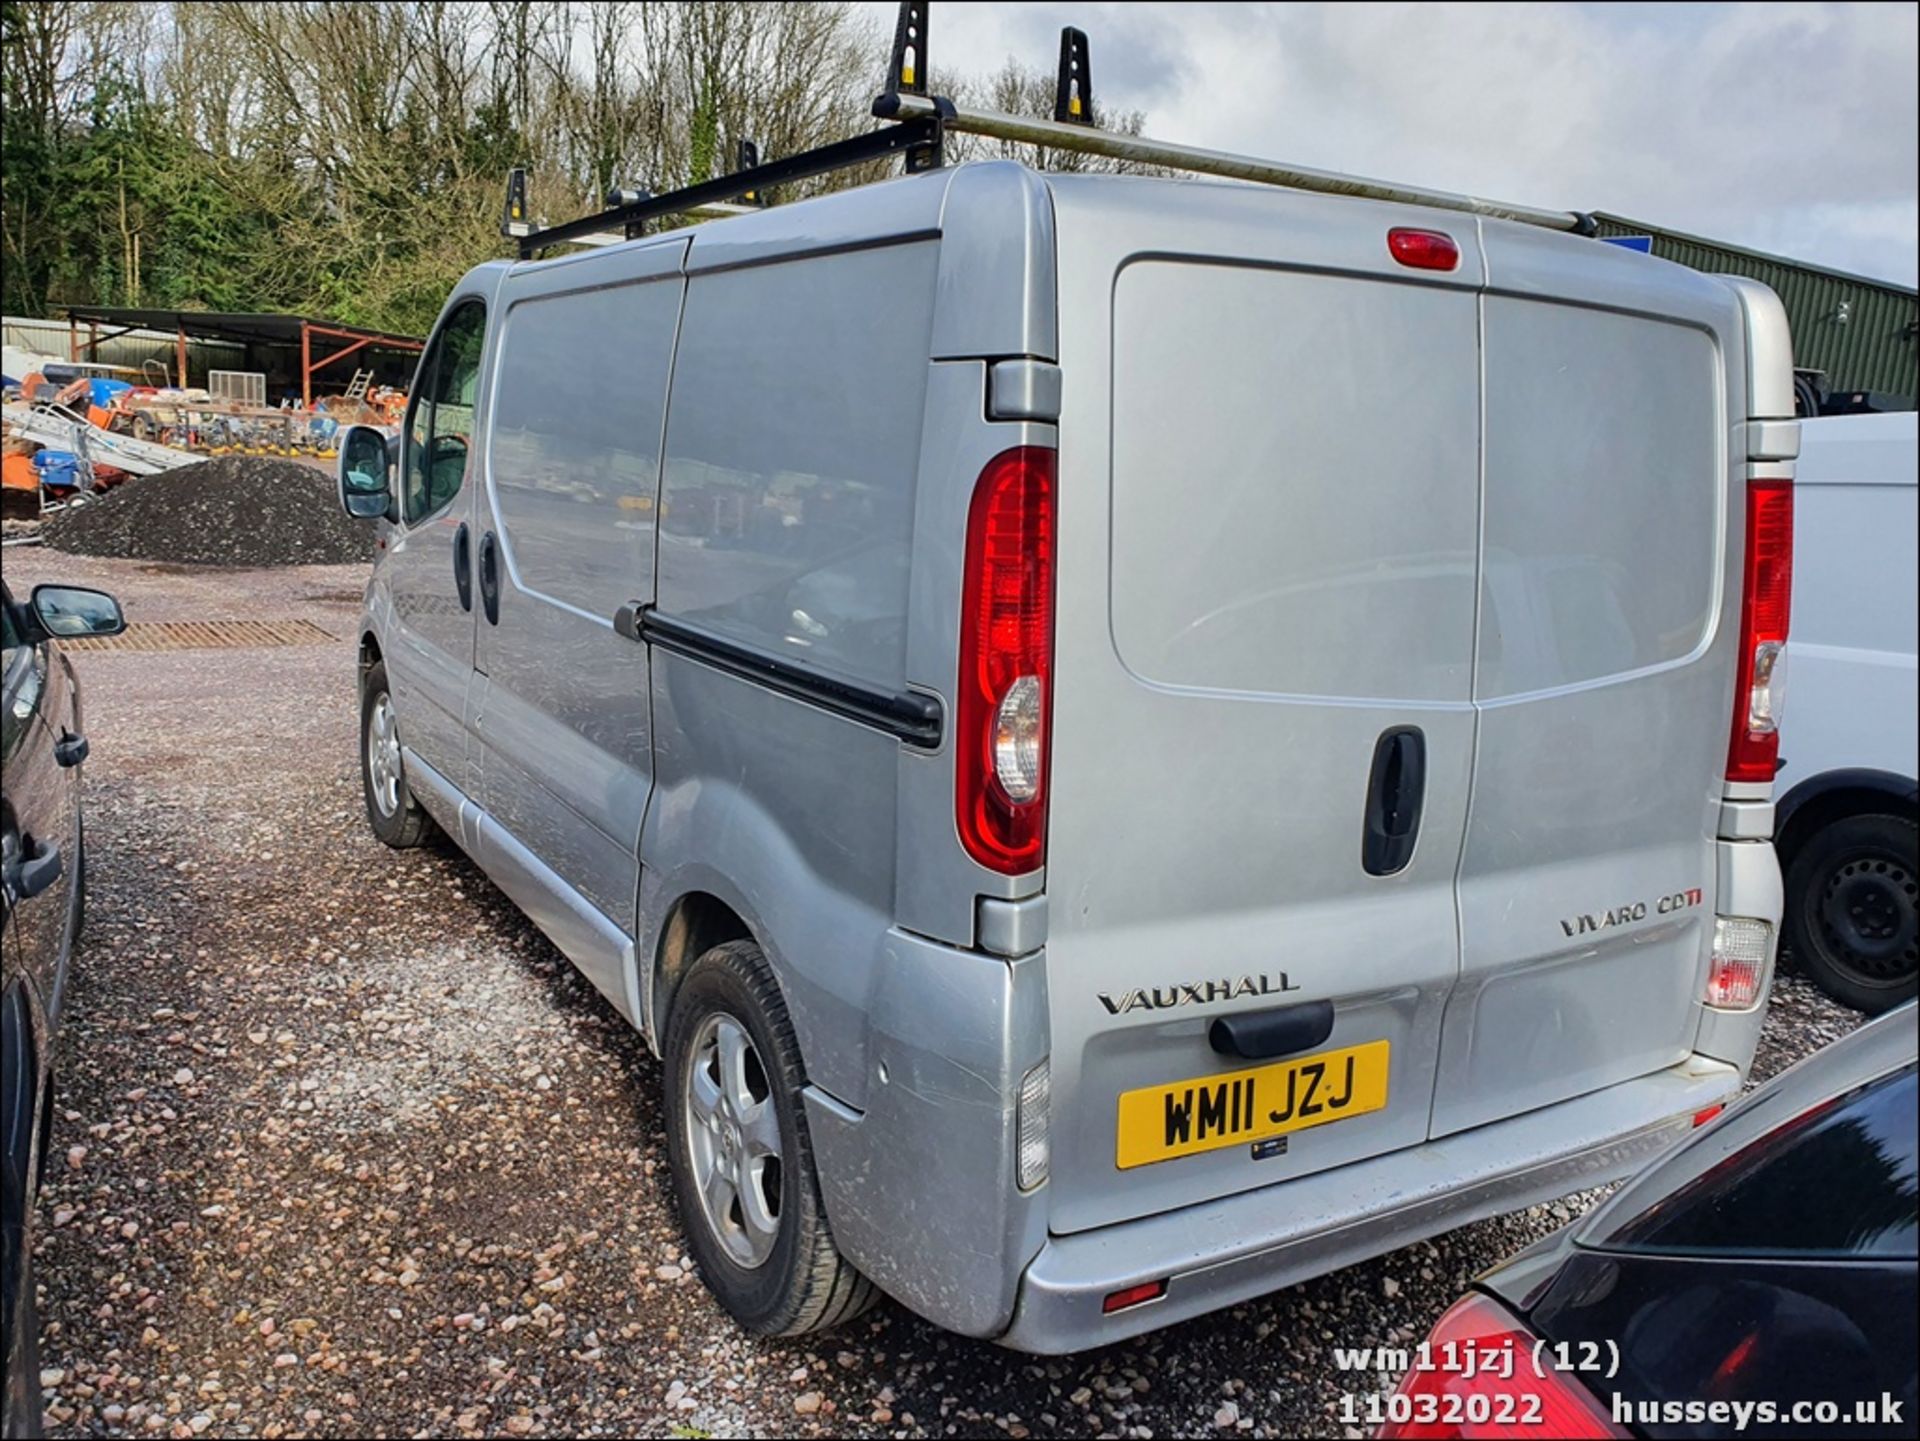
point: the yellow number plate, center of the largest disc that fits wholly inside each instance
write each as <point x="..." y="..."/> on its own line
<point x="1158" y="1123"/>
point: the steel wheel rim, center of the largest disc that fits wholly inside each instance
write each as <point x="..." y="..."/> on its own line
<point x="1869" y="914"/>
<point x="383" y="755"/>
<point x="733" y="1141"/>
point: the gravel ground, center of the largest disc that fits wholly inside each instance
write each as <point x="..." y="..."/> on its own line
<point x="344" y="1147"/>
<point x="239" y="510"/>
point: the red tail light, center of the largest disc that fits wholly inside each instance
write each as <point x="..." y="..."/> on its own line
<point x="1476" y="1377"/>
<point x="1754" y="752"/>
<point x="1006" y="663"/>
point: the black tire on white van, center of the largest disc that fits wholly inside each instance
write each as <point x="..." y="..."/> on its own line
<point x="740" y="1153"/>
<point x="392" y="811"/>
<point x="1853" y="910"/>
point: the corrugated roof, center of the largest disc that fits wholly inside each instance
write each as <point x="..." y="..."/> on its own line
<point x="1863" y="334"/>
<point x="1620" y="225"/>
<point x="238" y="325"/>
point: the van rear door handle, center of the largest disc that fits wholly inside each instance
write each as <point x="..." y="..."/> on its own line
<point x="1395" y="795"/>
<point x="490" y="578"/>
<point x="1266" y="1035"/>
<point x="463" y="566"/>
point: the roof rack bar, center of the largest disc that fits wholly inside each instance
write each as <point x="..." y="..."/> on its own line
<point x="912" y="132"/>
<point x="909" y="109"/>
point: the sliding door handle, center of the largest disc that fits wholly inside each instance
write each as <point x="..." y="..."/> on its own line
<point x="490" y="578"/>
<point x="463" y="566"/>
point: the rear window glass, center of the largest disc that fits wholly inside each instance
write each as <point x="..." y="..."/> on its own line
<point x="1603" y="484"/>
<point x="1295" y="487"/>
<point x="1837" y="1181"/>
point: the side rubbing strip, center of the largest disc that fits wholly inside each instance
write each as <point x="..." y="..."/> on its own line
<point x="908" y="715"/>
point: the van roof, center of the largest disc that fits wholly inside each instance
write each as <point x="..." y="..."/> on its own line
<point x="1859" y="450"/>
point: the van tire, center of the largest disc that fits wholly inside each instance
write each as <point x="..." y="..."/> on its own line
<point x="804" y="1284"/>
<point x="22" y="1403"/>
<point x="1853" y="896"/>
<point x="404" y="825"/>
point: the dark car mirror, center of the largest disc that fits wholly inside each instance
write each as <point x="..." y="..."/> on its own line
<point x="71" y="611"/>
<point x="365" y="473"/>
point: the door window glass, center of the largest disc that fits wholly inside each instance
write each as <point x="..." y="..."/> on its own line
<point x="574" y="437"/>
<point x="10" y="636"/>
<point x="440" y="426"/>
<point x="23" y="677"/>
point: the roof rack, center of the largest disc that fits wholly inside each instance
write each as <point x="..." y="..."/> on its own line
<point x="920" y="123"/>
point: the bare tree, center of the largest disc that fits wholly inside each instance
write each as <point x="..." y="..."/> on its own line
<point x="1017" y="89"/>
<point x="348" y="158"/>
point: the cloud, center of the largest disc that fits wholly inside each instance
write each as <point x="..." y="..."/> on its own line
<point x="1789" y="128"/>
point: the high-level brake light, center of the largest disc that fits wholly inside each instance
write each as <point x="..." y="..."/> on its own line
<point x="1423" y="249"/>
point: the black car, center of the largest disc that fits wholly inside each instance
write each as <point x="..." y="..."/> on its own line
<point x="1758" y="1278"/>
<point x="41" y="748"/>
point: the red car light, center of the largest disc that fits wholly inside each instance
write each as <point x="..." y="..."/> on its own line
<point x="1479" y="1381"/>
<point x="1134" y="1296"/>
<point x="1006" y="663"/>
<point x="1766" y="592"/>
<point x="1423" y="249"/>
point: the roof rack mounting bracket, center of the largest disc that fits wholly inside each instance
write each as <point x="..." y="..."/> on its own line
<point x="1073" y="85"/>
<point x="746" y="158"/>
<point x="907" y="73"/>
<point x="514" y="221"/>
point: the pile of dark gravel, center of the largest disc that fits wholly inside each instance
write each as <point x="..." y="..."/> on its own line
<point x="239" y="510"/>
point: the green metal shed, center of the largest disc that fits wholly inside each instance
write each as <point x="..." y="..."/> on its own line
<point x="1860" y="334"/>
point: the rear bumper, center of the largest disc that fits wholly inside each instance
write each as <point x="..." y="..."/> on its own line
<point x="1225" y="1252"/>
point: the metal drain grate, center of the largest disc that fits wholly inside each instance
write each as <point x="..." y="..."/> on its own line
<point x="207" y="635"/>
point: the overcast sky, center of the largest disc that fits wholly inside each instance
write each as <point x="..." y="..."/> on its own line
<point x="1788" y="128"/>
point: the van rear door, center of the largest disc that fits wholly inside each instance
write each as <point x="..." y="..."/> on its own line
<point x="1266" y="592"/>
<point x="1604" y="660"/>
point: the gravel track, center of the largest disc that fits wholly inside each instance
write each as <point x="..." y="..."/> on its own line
<point x="344" y="1147"/>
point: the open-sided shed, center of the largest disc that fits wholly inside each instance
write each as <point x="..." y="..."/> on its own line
<point x="297" y="353"/>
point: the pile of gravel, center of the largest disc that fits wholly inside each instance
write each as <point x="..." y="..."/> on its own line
<point x="240" y="510"/>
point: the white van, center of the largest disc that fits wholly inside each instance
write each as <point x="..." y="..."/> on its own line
<point x="1848" y="763"/>
<point x="1130" y="741"/>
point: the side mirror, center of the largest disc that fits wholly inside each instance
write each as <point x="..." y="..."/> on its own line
<point x="365" y="473"/>
<point x="71" y="611"/>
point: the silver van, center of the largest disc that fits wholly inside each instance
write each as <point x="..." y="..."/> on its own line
<point x="1128" y="741"/>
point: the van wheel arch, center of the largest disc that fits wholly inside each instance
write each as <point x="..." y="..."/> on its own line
<point x="1847" y="861"/>
<point x="697" y="922"/>
<point x="20" y="1041"/>
<point x="1819" y="801"/>
<point x="370" y="656"/>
